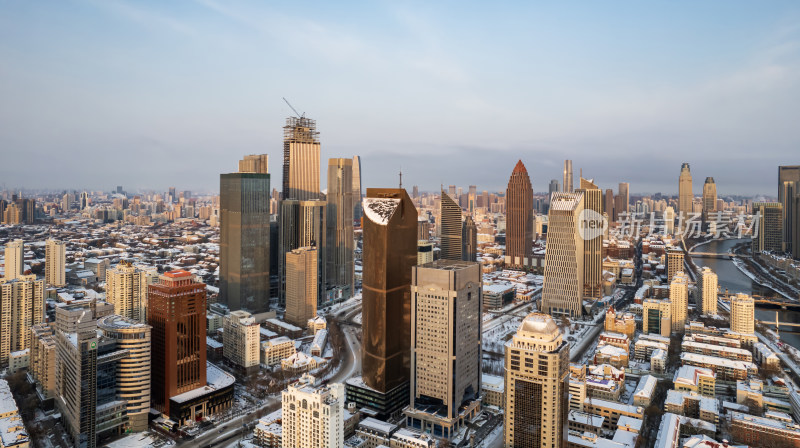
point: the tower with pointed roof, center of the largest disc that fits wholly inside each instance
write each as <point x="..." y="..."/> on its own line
<point x="519" y="218"/>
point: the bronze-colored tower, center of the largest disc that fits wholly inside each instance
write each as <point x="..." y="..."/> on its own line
<point x="519" y="218"/>
<point x="177" y="313"/>
<point x="390" y="251"/>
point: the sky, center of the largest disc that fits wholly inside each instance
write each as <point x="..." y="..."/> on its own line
<point x="148" y="94"/>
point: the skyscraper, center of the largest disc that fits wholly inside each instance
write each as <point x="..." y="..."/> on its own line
<point x="244" y="236"/>
<point x="76" y="373"/>
<point x="177" y="315"/>
<point x="126" y="289"/>
<point x="519" y="218"/>
<point x="312" y="415"/>
<point x="254" y="163"/>
<point x="622" y="201"/>
<point x="472" y="199"/>
<point x="536" y="384"/>
<point x="133" y="374"/>
<point x="55" y="259"/>
<point x="669" y="220"/>
<point x="769" y="236"/>
<point x="708" y="291"/>
<point x="21" y="307"/>
<point x="340" y="269"/>
<point x="709" y="199"/>
<point x="450" y="228"/>
<point x="14" y="259"/>
<point x="789" y="197"/>
<point x="553" y="188"/>
<point x="469" y="240"/>
<point x="562" y="292"/>
<point x="742" y="314"/>
<point x="657" y="317"/>
<point x="608" y="204"/>
<point x="390" y="251"/>
<point x="301" y="285"/>
<point x="685" y="195"/>
<point x="241" y="340"/>
<point x="445" y="346"/>
<point x="679" y="299"/>
<point x="303" y="224"/>
<point x="569" y="183"/>
<point x="84" y="200"/>
<point x="592" y="241"/>
<point x="357" y="190"/>
<point x="301" y="159"/>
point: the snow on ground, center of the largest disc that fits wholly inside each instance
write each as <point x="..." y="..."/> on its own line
<point x="137" y="441"/>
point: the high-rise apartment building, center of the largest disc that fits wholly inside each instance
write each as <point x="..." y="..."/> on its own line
<point x="358" y="192"/>
<point x="708" y="291"/>
<point x="312" y="415"/>
<point x="789" y="197"/>
<point x="743" y="314"/>
<point x="445" y="346"/>
<point x="177" y="315"/>
<point x="679" y="300"/>
<point x="244" y="236"/>
<point x="592" y="239"/>
<point x="55" y="261"/>
<point x="424" y="252"/>
<point x="669" y="220"/>
<point x="562" y="293"/>
<point x="469" y="239"/>
<point x="450" y="228"/>
<point x="685" y="195"/>
<point x="519" y="218"/>
<point x="133" y="369"/>
<point x="303" y="224"/>
<point x="675" y="256"/>
<point x="21" y="307"/>
<point x="241" y="340"/>
<point x="389" y="253"/>
<point x="709" y="199"/>
<point x="14" y="260"/>
<point x="301" y="159"/>
<point x="339" y="264"/>
<point x="43" y="359"/>
<point x="569" y="183"/>
<point x="768" y="233"/>
<point x="301" y="285"/>
<point x="126" y="289"/>
<point x="657" y="317"/>
<point x="536" y="384"/>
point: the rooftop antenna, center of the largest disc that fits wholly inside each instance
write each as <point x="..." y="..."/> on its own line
<point x="401" y="176"/>
<point x="295" y="110"/>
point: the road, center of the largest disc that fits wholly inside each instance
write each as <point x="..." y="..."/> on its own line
<point x="231" y="428"/>
<point x="351" y="361"/>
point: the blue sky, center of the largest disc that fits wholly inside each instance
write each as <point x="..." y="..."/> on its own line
<point x="153" y="94"/>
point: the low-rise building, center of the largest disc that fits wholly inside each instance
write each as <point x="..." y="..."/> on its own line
<point x="276" y="350"/>
<point x="493" y="390"/>
<point x="692" y="404"/>
<point x="611" y="411"/>
<point x="765" y="356"/>
<point x="719" y="351"/>
<point x="762" y="431"/>
<point x="695" y="379"/>
<point x="12" y="430"/>
<point x="725" y="369"/>
<point x="643" y="395"/>
<point x="658" y="360"/>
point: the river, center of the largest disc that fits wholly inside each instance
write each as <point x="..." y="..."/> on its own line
<point x="732" y="279"/>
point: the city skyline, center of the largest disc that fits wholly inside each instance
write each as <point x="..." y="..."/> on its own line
<point x="195" y="84"/>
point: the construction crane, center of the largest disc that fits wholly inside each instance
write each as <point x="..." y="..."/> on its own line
<point x="295" y="110"/>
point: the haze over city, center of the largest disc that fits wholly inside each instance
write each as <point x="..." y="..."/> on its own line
<point x="188" y="87"/>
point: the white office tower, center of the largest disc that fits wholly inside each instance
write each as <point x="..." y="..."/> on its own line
<point x="313" y="416"/>
<point x="55" y="259"/>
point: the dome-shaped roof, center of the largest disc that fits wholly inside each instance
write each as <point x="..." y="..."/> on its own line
<point x="539" y="324"/>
